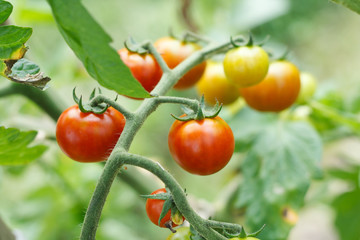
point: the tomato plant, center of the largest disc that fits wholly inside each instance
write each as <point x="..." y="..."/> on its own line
<point x="215" y="86"/>
<point x="201" y="147"/>
<point x="277" y="91"/>
<point x="308" y="87"/>
<point x="182" y="233"/>
<point x="143" y="67"/>
<point x="154" y="208"/>
<point x="247" y="238"/>
<point x="88" y="137"/>
<point x="246" y="66"/>
<point x="174" y="52"/>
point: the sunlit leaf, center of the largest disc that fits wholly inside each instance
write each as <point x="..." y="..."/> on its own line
<point x="90" y="43"/>
<point x="5" y="10"/>
<point x="15" y="149"/>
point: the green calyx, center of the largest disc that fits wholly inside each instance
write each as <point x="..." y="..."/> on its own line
<point x="88" y="108"/>
<point x="244" y="235"/>
<point x="249" y="43"/>
<point x="132" y="46"/>
<point x="200" y="112"/>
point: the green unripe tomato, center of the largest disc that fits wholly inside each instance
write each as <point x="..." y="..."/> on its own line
<point x="308" y="87"/>
<point x="246" y="66"/>
<point x="182" y="233"/>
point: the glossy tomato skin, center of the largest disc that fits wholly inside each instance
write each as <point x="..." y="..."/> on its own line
<point x="144" y="68"/>
<point x="215" y="86"/>
<point x="277" y="91"/>
<point x="174" y="52"/>
<point x="246" y="66"/>
<point x="154" y="207"/>
<point x="88" y="137"/>
<point x="201" y="147"/>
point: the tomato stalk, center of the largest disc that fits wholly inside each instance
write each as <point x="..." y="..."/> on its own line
<point x="134" y="121"/>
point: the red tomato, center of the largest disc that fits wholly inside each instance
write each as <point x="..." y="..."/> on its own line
<point x="154" y="208"/>
<point x="201" y="147"/>
<point x="88" y="137"/>
<point x="277" y="91"/>
<point x="174" y="52"/>
<point x="144" y="68"/>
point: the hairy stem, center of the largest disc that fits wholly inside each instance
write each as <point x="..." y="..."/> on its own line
<point x="204" y="227"/>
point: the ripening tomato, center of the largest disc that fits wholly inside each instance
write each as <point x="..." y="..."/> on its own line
<point x="88" y="137"/>
<point x="308" y="87"/>
<point x="201" y="147"/>
<point x="144" y="68"/>
<point x="246" y="66"/>
<point x="174" y="52"/>
<point x="215" y="86"/>
<point x="154" y="208"/>
<point x="277" y="91"/>
<point x="182" y="233"/>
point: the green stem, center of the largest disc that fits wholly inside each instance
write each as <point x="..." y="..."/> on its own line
<point x="102" y="99"/>
<point x="192" y="103"/>
<point x="204" y="227"/>
<point x="46" y="100"/>
<point x="164" y="67"/>
<point x="97" y="202"/>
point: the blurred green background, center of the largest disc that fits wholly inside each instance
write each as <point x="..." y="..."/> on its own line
<point x="47" y="199"/>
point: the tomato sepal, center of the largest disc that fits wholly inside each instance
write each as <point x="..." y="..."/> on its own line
<point x="200" y="113"/>
<point x="88" y="108"/>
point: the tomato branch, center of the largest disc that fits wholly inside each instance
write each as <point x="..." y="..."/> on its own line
<point x="204" y="227"/>
<point x="102" y="99"/>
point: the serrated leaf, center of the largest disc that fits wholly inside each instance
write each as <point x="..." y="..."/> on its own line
<point x="12" y="40"/>
<point x="354" y="5"/>
<point x="282" y="160"/>
<point x="25" y="72"/>
<point x="5" y="10"/>
<point x="90" y="43"/>
<point x="14" y="147"/>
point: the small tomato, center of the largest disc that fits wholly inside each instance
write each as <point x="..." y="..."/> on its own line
<point x="88" y="137"/>
<point x="215" y="86"/>
<point x="174" y="52"/>
<point x="246" y="66"/>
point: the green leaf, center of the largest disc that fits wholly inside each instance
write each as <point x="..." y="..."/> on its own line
<point x="347" y="207"/>
<point x="91" y="45"/>
<point x="354" y="5"/>
<point x="278" y="169"/>
<point x="14" y="147"/>
<point x="12" y="40"/>
<point x="5" y="11"/>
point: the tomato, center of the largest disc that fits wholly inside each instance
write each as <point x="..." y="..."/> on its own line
<point x="215" y="86"/>
<point x="201" y="147"/>
<point x="308" y="87"/>
<point x="246" y="66"/>
<point x="88" y="137"/>
<point x="277" y="91"/>
<point x="154" y="208"/>
<point x="182" y="233"/>
<point x="174" y="52"/>
<point x="144" y="68"/>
